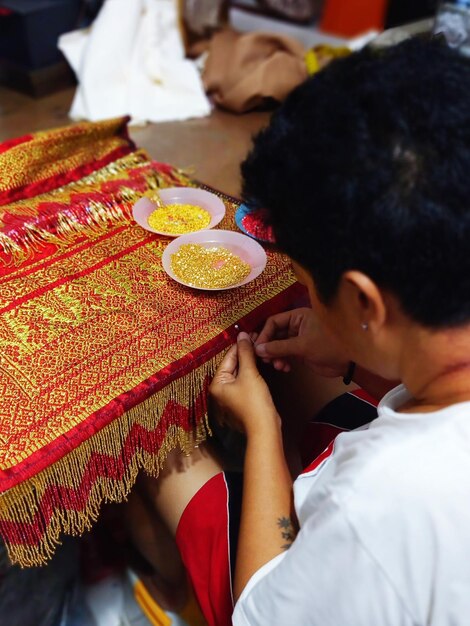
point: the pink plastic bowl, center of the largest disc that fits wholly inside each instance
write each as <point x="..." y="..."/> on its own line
<point x="245" y="247"/>
<point x="180" y="195"/>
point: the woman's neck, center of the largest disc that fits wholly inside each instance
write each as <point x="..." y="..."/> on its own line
<point x="436" y="369"/>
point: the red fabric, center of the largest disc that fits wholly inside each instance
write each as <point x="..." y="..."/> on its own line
<point x="60" y="156"/>
<point x="353" y="17"/>
<point x="35" y="189"/>
<point x="203" y="540"/>
<point x="99" y="465"/>
<point x="203" y="531"/>
<point x="48" y="213"/>
<point x="82" y="364"/>
<point x="366" y="397"/>
<point x="56" y="450"/>
<point x="319" y="436"/>
<point x="318" y="443"/>
<point x="16" y="141"/>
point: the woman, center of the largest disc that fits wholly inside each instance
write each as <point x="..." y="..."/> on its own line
<point x="365" y="174"/>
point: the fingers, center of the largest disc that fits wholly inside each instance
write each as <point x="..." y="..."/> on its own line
<point x="229" y="363"/>
<point x="280" y="348"/>
<point x="281" y="365"/>
<point x="273" y="326"/>
<point x="246" y="354"/>
<point x="241" y="356"/>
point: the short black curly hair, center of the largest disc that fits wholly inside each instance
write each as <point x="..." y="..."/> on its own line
<point x="367" y="166"/>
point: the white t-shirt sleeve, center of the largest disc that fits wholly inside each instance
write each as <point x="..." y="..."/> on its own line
<point x="327" y="578"/>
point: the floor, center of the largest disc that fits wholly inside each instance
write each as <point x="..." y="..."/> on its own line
<point x="210" y="148"/>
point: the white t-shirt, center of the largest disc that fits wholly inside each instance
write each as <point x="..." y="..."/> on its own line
<point x="384" y="530"/>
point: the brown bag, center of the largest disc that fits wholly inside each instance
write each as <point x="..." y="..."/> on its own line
<point x="245" y="71"/>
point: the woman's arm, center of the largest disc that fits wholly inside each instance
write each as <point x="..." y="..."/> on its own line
<point x="267" y="527"/>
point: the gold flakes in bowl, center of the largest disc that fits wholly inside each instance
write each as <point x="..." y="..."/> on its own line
<point x="208" y="268"/>
<point x="178" y="219"/>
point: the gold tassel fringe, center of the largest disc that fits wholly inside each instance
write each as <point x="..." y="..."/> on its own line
<point x="25" y="503"/>
<point x="88" y="218"/>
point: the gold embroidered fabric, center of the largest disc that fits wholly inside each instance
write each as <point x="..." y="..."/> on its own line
<point x="50" y="154"/>
<point x="105" y="361"/>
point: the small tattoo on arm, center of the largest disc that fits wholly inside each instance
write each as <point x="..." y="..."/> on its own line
<point x="287" y="531"/>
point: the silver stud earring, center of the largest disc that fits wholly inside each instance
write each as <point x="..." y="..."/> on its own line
<point x="365" y="326"/>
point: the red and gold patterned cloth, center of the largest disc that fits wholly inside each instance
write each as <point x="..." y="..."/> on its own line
<point x="104" y="361"/>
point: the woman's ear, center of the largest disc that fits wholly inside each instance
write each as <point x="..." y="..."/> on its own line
<point x="365" y="301"/>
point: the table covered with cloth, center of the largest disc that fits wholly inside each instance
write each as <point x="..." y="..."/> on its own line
<point x="105" y="361"/>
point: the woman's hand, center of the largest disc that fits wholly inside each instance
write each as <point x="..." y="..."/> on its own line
<point x="240" y="390"/>
<point x="297" y="334"/>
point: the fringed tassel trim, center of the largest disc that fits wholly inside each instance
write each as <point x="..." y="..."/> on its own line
<point x="67" y="496"/>
<point x="82" y="214"/>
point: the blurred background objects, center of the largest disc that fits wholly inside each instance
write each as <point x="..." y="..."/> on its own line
<point x="453" y="22"/>
<point x="30" y="60"/>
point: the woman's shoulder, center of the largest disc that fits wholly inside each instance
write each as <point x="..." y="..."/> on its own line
<point x="406" y="460"/>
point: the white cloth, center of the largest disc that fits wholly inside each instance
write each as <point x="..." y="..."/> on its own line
<point x="385" y="530"/>
<point x="131" y="62"/>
